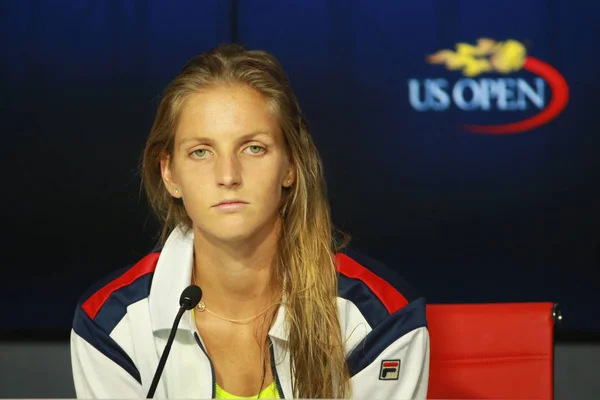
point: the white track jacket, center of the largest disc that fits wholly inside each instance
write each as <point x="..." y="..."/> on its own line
<point x="121" y="327"/>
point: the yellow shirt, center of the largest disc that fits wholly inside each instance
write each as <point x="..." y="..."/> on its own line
<point x="270" y="392"/>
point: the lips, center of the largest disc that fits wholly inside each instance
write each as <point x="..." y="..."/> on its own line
<point x="230" y="206"/>
<point x="229" y="203"/>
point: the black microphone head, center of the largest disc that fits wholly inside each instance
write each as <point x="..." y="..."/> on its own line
<point x="190" y="297"/>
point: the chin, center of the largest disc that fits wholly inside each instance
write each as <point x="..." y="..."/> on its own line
<point x="236" y="235"/>
<point x="240" y="231"/>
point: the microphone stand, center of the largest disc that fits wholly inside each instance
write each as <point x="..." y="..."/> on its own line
<point x="165" y="354"/>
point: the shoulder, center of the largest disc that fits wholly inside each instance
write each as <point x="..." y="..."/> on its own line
<point x="377" y="290"/>
<point x="106" y="301"/>
<point x="94" y="337"/>
<point x="383" y="314"/>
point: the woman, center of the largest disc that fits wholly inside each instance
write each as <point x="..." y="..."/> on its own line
<point x="233" y="174"/>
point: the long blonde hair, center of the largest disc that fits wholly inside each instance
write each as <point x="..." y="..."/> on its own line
<point x="306" y="246"/>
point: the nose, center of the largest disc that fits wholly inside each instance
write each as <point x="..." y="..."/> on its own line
<point x="228" y="172"/>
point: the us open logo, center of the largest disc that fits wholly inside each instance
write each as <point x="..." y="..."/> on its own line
<point x="499" y="78"/>
<point x="390" y="369"/>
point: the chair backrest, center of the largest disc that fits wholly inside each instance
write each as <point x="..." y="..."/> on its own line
<point x="491" y="351"/>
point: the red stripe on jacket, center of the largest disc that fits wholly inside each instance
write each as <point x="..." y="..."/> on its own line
<point x="145" y="266"/>
<point x="391" y="298"/>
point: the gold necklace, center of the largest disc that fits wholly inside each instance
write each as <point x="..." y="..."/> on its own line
<point x="202" y="307"/>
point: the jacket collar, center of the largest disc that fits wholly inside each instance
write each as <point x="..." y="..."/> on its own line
<point x="172" y="275"/>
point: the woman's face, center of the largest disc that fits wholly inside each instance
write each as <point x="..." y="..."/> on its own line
<point x="229" y="163"/>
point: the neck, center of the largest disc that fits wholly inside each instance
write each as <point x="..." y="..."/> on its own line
<point x="237" y="279"/>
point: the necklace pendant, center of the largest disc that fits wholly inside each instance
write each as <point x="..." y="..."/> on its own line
<point x="201" y="306"/>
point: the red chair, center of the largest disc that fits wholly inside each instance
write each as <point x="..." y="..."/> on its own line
<point x="492" y="351"/>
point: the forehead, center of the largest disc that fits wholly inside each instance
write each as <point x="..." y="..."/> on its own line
<point x="225" y="112"/>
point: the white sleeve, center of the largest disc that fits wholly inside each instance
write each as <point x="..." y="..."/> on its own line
<point x="392" y="361"/>
<point x="400" y="371"/>
<point x="96" y="376"/>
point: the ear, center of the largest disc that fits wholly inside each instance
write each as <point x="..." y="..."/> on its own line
<point x="168" y="177"/>
<point x="290" y="176"/>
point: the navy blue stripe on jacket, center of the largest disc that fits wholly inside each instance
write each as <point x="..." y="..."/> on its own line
<point x="400" y="323"/>
<point x="97" y="331"/>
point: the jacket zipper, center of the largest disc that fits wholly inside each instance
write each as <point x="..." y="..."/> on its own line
<point x="212" y="368"/>
<point x="274" y="370"/>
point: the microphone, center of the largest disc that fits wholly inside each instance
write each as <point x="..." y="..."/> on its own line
<point x="189" y="298"/>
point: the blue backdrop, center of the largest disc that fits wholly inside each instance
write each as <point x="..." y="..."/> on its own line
<point x="465" y="216"/>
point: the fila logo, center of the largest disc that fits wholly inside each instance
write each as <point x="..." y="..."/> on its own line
<point x="390" y="369"/>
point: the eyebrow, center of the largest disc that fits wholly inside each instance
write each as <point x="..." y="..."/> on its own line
<point x="244" y="138"/>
